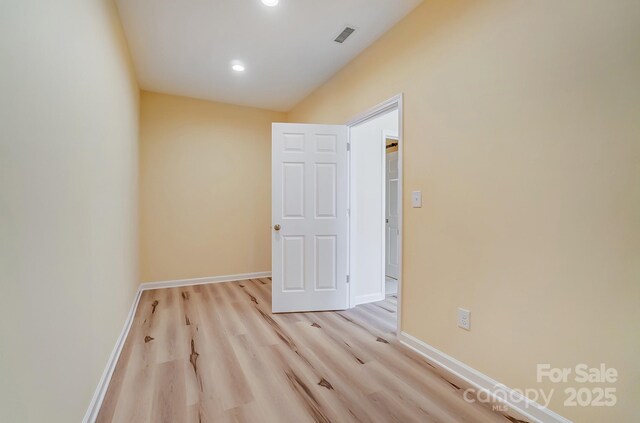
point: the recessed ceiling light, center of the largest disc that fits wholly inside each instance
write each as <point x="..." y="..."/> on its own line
<point x="270" y="3"/>
<point x="237" y="67"/>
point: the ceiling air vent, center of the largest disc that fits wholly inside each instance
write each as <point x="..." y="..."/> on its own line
<point x="344" y="35"/>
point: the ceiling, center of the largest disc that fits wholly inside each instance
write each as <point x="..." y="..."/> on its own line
<point x="185" y="47"/>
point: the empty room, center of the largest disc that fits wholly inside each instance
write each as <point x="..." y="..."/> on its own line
<point x="290" y="211"/>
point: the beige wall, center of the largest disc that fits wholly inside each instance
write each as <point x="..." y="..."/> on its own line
<point x="68" y="172"/>
<point x="205" y="188"/>
<point x="522" y="129"/>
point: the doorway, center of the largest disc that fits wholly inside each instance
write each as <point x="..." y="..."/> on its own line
<point x="375" y="194"/>
<point x="335" y="235"/>
<point x="392" y="233"/>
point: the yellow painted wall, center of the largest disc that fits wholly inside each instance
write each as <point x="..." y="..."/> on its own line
<point x="205" y="188"/>
<point x="522" y="129"/>
<point x="68" y="195"/>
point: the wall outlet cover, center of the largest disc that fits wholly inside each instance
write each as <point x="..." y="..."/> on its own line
<point x="464" y="318"/>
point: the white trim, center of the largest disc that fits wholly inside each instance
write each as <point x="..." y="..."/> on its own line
<point x="400" y="209"/>
<point x="390" y="135"/>
<point x="377" y="110"/>
<point x="98" y="396"/>
<point x="350" y="296"/>
<point x="529" y="409"/>
<point x="394" y="136"/>
<point x="394" y="102"/>
<point x="200" y="281"/>
<point x="367" y="298"/>
<point x="96" y="402"/>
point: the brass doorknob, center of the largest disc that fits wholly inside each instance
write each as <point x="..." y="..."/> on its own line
<point x="276" y="227"/>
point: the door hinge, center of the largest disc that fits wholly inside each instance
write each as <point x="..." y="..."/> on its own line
<point x="348" y="146"/>
<point x="348" y="278"/>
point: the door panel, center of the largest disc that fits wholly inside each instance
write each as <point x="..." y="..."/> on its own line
<point x="293" y="190"/>
<point x="309" y="203"/>
<point x="293" y="261"/>
<point x="326" y="190"/>
<point x="326" y="257"/>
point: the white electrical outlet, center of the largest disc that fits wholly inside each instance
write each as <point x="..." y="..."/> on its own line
<point x="464" y="319"/>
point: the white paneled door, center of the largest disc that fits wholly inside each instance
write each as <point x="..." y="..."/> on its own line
<point x="309" y="217"/>
<point x="392" y="265"/>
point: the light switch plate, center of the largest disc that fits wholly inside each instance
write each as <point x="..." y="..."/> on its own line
<point x="416" y="199"/>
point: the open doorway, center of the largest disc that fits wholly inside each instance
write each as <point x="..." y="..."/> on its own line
<point x="375" y="197"/>
<point x="392" y="232"/>
<point x="334" y="238"/>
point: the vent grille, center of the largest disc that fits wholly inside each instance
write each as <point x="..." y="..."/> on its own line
<point x="344" y="35"/>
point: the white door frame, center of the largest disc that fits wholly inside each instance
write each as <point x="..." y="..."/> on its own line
<point x="392" y="135"/>
<point x="394" y="102"/>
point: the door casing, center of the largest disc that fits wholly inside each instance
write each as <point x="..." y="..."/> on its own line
<point x="392" y="103"/>
<point x="390" y="269"/>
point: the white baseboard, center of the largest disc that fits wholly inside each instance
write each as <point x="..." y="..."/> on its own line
<point x="368" y="298"/>
<point x="529" y="409"/>
<point x="98" y="396"/>
<point x="200" y="281"/>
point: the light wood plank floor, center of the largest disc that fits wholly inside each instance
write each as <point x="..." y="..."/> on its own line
<point x="215" y="353"/>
